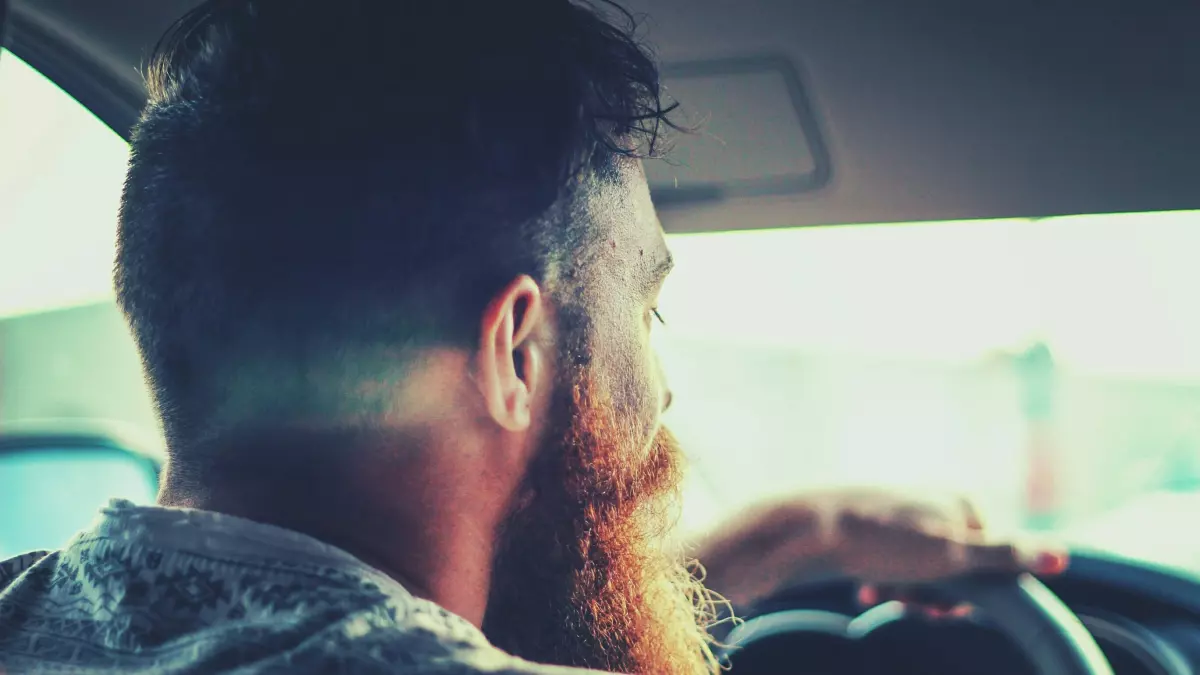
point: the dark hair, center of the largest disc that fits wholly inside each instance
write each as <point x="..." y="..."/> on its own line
<point x="314" y="179"/>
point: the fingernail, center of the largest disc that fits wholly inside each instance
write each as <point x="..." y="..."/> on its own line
<point x="1050" y="563"/>
<point x="867" y="595"/>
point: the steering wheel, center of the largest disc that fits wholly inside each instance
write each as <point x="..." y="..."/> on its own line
<point x="1041" y="626"/>
<point x="1049" y="633"/>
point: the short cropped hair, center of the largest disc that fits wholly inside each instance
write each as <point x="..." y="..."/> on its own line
<point x="315" y="187"/>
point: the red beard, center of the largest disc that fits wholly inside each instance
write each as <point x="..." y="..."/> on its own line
<point x="584" y="575"/>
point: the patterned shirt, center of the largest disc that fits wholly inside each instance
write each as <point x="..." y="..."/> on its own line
<point x="164" y="590"/>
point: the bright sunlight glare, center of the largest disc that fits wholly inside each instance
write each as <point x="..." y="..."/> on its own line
<point x="1107" y="292"/>
<point x="58" y="196"/>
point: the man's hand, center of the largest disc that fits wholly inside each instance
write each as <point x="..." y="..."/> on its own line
<point x="886" y="540"/>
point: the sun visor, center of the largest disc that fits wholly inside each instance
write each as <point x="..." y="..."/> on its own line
<point x="752" y="133"/>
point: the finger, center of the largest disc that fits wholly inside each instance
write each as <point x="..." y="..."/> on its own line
<point x="920" y="600"/>
<point x="868" y="596"/>
<point x="933" y="613"/>
<point x="1050" y="562"/>
<point x="918" y="596"/>
<point x="982" y="557"/>
<point x="943" y="613"/>
<point x="962" y="611"/>
<point x="913" y="518"/>
<point x="973" y="518"/>
<point x="1044" y="560"/>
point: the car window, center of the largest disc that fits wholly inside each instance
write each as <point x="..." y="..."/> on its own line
<point x="61" y="182"/>
<point x="1050" y="369"/>
<point x="48" y="494"/>
<point x="65" y="355"/>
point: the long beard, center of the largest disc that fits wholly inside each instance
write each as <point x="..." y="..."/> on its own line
<point x="585" y="575"/>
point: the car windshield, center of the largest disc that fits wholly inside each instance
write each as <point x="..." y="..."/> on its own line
<point x="1049" y="369"/>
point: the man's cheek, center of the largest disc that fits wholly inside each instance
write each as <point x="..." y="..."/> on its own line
<point x="645" y="396"/>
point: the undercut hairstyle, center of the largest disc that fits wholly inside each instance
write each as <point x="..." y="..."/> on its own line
<point x="316" y="188"/>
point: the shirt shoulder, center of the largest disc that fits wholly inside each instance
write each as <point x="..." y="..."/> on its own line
<point x="378" y="641"/>
<point x="12" y="568"/>
<point x="160" y="590"/>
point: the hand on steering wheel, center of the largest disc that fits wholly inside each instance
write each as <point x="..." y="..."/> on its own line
<point x="892" y="542"/>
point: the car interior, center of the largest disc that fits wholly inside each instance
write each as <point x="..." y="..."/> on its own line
<point x="930" y="245"/>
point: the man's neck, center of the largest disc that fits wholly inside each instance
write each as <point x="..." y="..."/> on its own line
<point x="412" y="519"/>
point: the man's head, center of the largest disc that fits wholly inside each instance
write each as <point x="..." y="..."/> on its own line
<point x="412" y="228"/>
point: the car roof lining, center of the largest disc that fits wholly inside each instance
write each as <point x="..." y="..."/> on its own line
<point x="929" y="109"/>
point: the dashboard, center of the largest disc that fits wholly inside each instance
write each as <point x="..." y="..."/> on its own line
<point x="1146" y="620"/>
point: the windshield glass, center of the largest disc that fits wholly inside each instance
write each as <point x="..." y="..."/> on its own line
<point x="1049" y="369"/>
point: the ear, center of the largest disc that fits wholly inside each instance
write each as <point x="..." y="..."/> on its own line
<point x="509" y="362"/>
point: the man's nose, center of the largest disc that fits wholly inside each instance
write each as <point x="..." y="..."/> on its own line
<point x="667" y="398"/>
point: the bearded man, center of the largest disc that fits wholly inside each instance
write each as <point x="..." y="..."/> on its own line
<point x="393" y="269"/>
